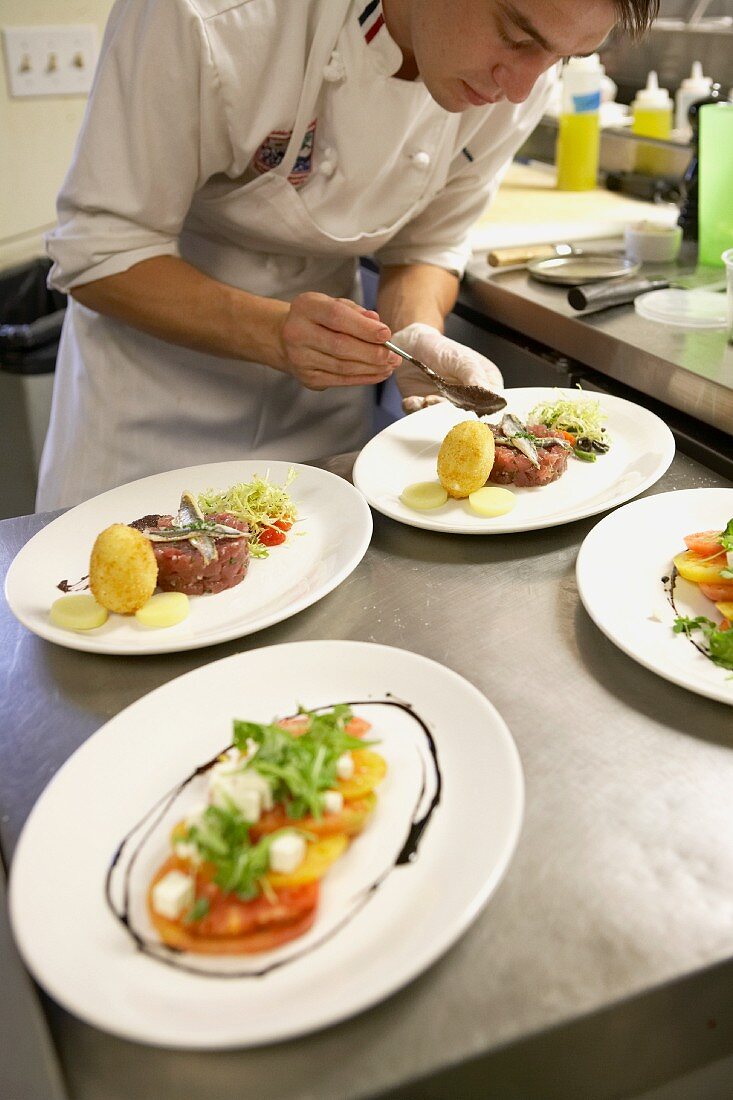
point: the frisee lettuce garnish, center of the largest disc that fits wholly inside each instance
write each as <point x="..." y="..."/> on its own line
<point x="222" y="839"/>
<point x="257" y="502"/>
<point x="582" y="418"/>
<point x="300" y="769"/>
<point x="719" y="643"/>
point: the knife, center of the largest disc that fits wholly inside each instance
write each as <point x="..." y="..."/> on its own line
<point x="594" y="297"/>
<point x="511" y="257"/>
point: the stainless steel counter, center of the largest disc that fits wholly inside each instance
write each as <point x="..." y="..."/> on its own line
<point x="604" y="962"/>
<point x="691" y="371"/>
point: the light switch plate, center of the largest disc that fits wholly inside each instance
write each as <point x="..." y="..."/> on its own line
<point x="50" y="61"/>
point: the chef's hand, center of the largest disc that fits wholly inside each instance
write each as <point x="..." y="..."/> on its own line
<point x="454" y="361"/>
<point x="335" y="342"/>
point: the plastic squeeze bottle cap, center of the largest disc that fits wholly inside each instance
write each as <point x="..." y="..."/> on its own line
<point x="696" y="82"/>
<point x="653" y="98"/>
<point x="581" y="84"/>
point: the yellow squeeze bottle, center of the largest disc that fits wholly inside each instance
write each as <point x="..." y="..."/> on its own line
<point x="578" y="139"/>
<point x="652" y="110"/>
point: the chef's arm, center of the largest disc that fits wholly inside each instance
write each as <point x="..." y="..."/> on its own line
<point x="416" y="292"/>
<point x="322" y="341"/>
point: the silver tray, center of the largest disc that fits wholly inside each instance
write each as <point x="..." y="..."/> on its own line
<point x="591" y="267"/>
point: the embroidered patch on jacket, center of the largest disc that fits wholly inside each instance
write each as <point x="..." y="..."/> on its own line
<point x="273" y="148"/>
<point x="371" y="19"/>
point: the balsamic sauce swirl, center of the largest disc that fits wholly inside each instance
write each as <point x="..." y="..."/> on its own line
<point x="175" y="957"/>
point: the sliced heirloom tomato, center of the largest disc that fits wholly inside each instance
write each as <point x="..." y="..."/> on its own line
<point x="721" y="591"/>
<point x="369" y="769"/>
<point x="704" y="543"/>
<point x="318" y="858"/>
<point x="298" y="724"/>
<point x="233" y="926"/>
<point x="698" y="570"/>
<point x="351" y="820"/>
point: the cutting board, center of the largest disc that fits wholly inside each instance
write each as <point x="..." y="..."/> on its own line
<point x="528" y="209"/>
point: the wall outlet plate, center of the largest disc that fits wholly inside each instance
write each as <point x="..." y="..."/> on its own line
<point x="50" y="61"/>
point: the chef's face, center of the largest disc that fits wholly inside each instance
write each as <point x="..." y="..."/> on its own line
<point x="472" y="52"/>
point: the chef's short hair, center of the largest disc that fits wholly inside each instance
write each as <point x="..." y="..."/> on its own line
<point x="636" y="16"/>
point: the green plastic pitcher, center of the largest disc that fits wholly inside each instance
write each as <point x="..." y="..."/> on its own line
<point x="715" y="199"/>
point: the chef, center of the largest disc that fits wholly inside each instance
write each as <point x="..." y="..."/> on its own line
<point x="236" y="159"/>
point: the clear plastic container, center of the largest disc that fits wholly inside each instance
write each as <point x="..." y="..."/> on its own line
<point x="727" y="259"/>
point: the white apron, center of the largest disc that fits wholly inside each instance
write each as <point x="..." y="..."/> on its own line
<point x="127" y="404"/>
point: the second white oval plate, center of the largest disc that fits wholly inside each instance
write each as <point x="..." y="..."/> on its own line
<point x="619" y="572"/>
<point x="472" y="785"/>
<point x="407" y="451"/>
<point x="327" y="542"/>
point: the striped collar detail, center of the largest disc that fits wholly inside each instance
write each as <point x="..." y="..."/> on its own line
<point x="371" y="20"/>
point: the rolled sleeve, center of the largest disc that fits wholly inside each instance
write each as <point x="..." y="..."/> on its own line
<point x="441" y="233"/>
<point x="152" y="134"/>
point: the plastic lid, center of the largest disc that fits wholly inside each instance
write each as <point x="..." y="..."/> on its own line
<point x="684" y="308"/>
<point x="653" y="97"/>
<point x="696" y="82"/>
<point x="589" y="64"/>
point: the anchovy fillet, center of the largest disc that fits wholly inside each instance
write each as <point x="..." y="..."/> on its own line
<point x="517" y="434"/>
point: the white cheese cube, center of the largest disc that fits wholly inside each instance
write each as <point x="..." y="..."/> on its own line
<point x="287" y="852"/>
<point x="185" y="850"/>
<point x="246" y="790"/>
<point x="173" y="895"/>
<point x="195" y="815"/>
<point x="333" y="802"/>
<point x="345" y="766"/>
<point x="729" y="558"/>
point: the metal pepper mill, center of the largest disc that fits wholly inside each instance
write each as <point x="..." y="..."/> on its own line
<point x="688" y="219"/>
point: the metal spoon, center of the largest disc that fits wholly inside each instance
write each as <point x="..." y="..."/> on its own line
<point x="473" y="398"/>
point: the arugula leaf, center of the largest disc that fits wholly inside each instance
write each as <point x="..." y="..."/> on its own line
<point x="726" y="537"/>
<point x="222" y="838"/>
<point x="300" y="769"/>
<point x="198" y="910"/>
<point x="719" y="642"/>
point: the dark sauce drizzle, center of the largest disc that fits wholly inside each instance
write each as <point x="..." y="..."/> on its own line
<point x="175" y="957"/>
<point x="669" y="587"/>
<point x="74" y="586"/>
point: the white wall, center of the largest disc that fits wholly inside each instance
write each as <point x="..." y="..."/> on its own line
<point x="37" y="135"/>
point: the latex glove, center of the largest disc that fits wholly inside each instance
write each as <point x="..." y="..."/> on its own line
<point x="447" y="357"/>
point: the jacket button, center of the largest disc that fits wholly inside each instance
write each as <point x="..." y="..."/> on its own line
<point x="335" y="70"/>
<point x="421" y="160"/>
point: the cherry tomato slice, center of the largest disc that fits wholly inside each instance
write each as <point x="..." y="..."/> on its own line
<point x="271" y="536"/>
<point x="704" y="543"/>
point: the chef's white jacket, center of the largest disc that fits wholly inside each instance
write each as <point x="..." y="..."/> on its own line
<point x="269" y="143"/>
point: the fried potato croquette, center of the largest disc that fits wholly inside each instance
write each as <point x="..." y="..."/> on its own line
<point x="123" y="571"/>
<point x="465" y="458"/>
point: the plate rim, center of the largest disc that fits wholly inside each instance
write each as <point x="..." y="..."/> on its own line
<point x="541" y="524"/>
<point x="688" y="683"/>
<point x="81" y="643"/>
<point x="398" y="979"/>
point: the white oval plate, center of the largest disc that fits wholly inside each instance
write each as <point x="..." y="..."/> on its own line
<point x="327" y="542"/>
<point x="619" y="571"/>
<point x="407" y="451"/>
<point x="85" y="959"/>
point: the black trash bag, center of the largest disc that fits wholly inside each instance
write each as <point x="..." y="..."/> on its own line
<point x="31" y="316"/>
